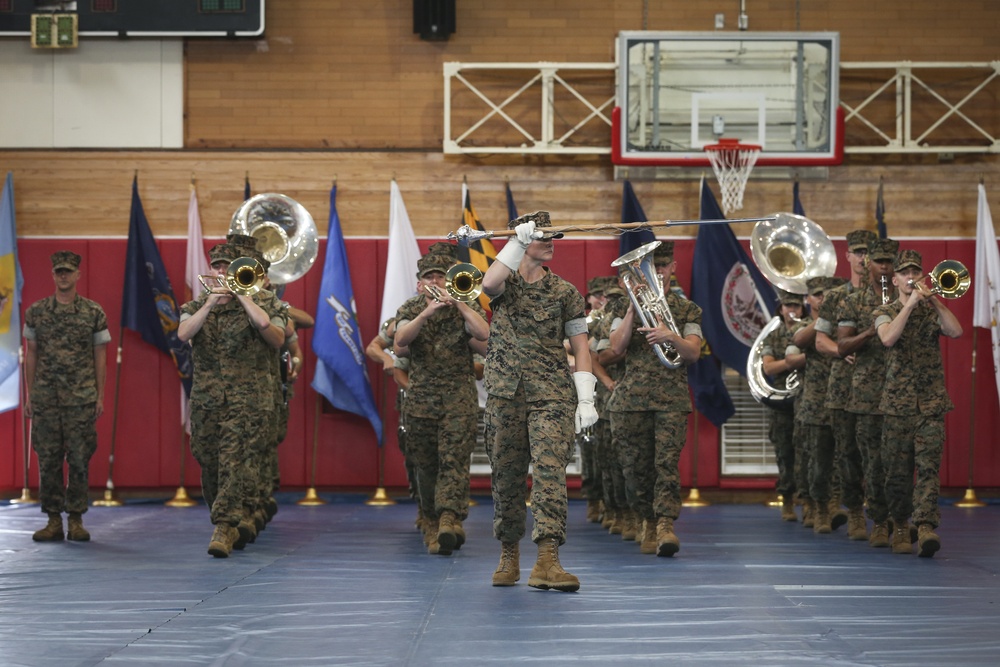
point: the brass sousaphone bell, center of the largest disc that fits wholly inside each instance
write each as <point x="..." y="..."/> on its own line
<point x="285" y="232"/>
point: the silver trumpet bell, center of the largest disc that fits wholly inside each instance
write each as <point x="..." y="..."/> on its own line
<point x="285" y="232"/>
<point x="645" y="289"/>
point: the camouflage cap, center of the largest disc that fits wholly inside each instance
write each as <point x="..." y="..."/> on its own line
<point x="611" y="286"/>
<point x="65" y="259"/>
<point x="664" y="253"/>
<point x="221" y="252"/>
<point x="246" y="246"/>
<point x="444" y="248"/>
<point x="789" y="298"/>
<point x="595" y="285"/>
<point x="906" y="259"/>
<point x="434" y="262"/>
<point x="540" y="218"/>
<point x="881" y="250"/>
<point x="817" y="285"/>
<point x="860" y="238"/>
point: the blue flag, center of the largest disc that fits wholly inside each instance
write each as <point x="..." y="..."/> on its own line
<point x="729" y="288"/>
<point x="632" y="212"/>
<point x="796" y="202"/>
<point x="341" y="376"/>
<point x="511" y="207"/>
<point x="11" y="283"/>
<point x="148" y="305"/>
<point x="880" y="212"/>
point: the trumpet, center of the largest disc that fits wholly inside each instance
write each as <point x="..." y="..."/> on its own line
<point x="949" y="279"/>
<point x="244" y="277"/>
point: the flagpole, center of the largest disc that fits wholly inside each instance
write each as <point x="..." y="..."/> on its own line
<point x="181" y="498"/>
<point x="109" y="499"/>
<point x="694" y="498"/>
<point x="25" y="498"/>
<point x="380" y="497"/>
<point x="312" y="498"/>
<point x="970" y="500"/>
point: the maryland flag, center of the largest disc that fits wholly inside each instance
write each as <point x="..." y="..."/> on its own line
<point x="480" y="253"/>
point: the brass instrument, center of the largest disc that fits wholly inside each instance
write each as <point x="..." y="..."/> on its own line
<point x="285" y="232"/>
<point x="788" y="249"/>
<point x="245" y="276"/>
<point x="433" y="292"/>
<point x="464" y="282"/>
<point x="645" y="289"/>
<point x="949" y="279"/>
<point x="884" y="280"/>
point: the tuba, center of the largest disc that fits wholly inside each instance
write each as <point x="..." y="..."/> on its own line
<point x="789" y="250"/>
<point x="645" y="289"/>
<point x="285" y="232"/>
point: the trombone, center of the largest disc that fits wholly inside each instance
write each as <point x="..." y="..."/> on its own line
<point x="463" y="282"/>
<point x="949" y="279"/>
<point x="244" y="277"/>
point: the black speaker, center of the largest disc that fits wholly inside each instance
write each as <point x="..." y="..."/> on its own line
<point x="434" y="20"/>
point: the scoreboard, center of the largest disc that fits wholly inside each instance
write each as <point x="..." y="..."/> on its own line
<point x="141" y="18"/>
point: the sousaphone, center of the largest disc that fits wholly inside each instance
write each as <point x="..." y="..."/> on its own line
<point x="285" y="232"/>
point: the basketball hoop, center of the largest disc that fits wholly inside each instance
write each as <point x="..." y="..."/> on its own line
<point x="732" y="163"/>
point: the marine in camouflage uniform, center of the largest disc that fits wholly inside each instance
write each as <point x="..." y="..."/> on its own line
<point x="811" y="412"/>
<point x="442" y="407"/>
<point x="781" y="416"/>
<point x="650" y="407"/>
<point x="232" y="407"/>
<point x="848" y="460"/>
<point x="856" y="335"/>
<point x="65" y="367"/>
<point x="615" y="497"/>
<point x="914" y="403"/>
<point x="530" y="404"/>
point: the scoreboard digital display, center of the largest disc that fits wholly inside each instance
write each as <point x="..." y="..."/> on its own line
<point x="142" y="18"/>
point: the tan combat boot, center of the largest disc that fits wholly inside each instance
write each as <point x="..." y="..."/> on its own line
<point x="593" y="511"/>
<point x="821" y="519"/>
<point x="447" y="536"/>
<point x="607" y="517"/>
<point x="617" y="519"/>
<point x="901" y="538"/>
<point x="223" y="537"/>
<point x="808" y="513"/>
<point x="548" y="573"/>
<point x="880" y="536"/>
<point x="75" y="530"/>
<point x="508" y="572"/>
<point x="667" y="543"/>
<point x="53" y="531"/>
<point x="630" y="528"/>
<point x="857" y="527"/>
<point x="928" y="541"/>
<point x="838" y="516"/>
<point x="788" y="510"/>
<point x="246" y="533"/>
<point x="647" y="544"/>
<point x="459" y="535"/>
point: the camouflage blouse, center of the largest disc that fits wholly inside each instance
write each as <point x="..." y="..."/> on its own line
<point x="839" y="384"/>
<point x="65" y="336"/>
<point x="442" y="370"/>
<point x="815" y="377"/>
<point x="858" y="312"/>
<point x="530" y="321"/>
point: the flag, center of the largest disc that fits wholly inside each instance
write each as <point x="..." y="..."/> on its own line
<point x="511" y="207"/>
<point x="479" y="253"/>
<point x="986" y="291"/>
<point x="880" y="212"/>
<point x="148" y="305"/>
<point x="246" y="187"/>
<point x="195" y="265"/>
<point x="341" y="376"/>
<point x="401" y="263"/>
<point x="632" y="212"/>
<point x="11" y="283"/>
<point x="736" y="300"/>
<point x="796" y="202"/>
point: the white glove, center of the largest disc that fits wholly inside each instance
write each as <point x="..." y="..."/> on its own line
<point x="512" y="253"/>
<point x="586" y="413"/>
<point x="792" y="349"/>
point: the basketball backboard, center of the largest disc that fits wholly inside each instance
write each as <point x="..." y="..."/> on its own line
<point x="681" y="91"/>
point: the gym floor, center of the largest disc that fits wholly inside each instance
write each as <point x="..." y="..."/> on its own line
<point x="349" y="584"/>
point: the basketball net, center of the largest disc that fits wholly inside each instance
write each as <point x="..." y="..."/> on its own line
<point x="732" y="163"/>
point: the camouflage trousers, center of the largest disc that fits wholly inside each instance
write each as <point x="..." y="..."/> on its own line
<point x="442" y="453"/>
<point x="270" y="478"/>
<point x="228" y="443"/>
<point x="850" y="462"/>
<point x="802" y="459"/>
<point x="908" y="443"/>
<point x="519" y="434"/>
<point x="781" y="433"/>
<point x="650" y="443"/>
<point x="63" y="434"/>
<point x="822" y="472"/>
<point x="590" y="468"/>
<point x="869" y="434"/>
<point x="401" y="439"/>
<point x="609" y="462"/>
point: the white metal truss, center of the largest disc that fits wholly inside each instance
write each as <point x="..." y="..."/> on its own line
<point x="903" y="78"/>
